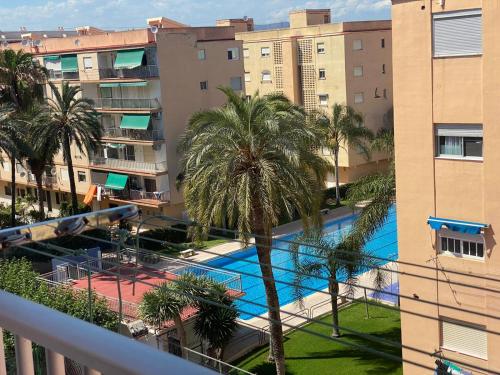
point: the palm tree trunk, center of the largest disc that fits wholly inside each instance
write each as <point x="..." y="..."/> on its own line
<point x="39" y="187"/>
<point x="181" y="332"/>
<point x="263" y="243"/>
<point x="71" y="175"/>
<point x="337" y="183"/>
<point x="13" y="189"/>
<point x="333" y="288"/>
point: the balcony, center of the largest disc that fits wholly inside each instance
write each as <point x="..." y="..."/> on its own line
<point x="132" y="134"/>
<point x="141" y="72"/>
<point x="57" y="74"/>
<point x="46" y="180"/>
<point x="128" y="104"/>
<point x="98" y="350"/>
<point x="129" y="165"/>
<point x="139" y="195"/>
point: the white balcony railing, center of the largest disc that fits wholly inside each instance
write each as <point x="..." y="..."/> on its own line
<point x="131" y="165"/>
<point x="99" y="350"/>
<point x="120" y="103"/>
<point x="142" y="135"/>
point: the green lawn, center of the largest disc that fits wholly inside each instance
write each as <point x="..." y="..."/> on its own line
<point x="313" y="355"/>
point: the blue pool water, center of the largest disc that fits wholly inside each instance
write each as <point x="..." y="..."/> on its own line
<point x="383" y="244"/>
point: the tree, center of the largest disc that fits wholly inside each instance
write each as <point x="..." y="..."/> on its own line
<point x="73" y="120"/>
<point x="317" y="254"/>
<point x="248" y="163"/>
<point x="162" y="304"/>
<point x="379" y="190"/>
<point x="344" y="128"/>
<point x="39" y="153"/>
<point x="21" y="80"/>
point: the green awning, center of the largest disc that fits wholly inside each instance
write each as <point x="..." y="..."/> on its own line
<point x="129" y="59"/>
<point x="52" y="58"/>
<point x="69" y="63"/>
<point x="116" y="181"/>
<point x="134" y="84"/>
<point x="123" y="84"/>
<point x="109" y="85"/>
<point x="140" y="122"/>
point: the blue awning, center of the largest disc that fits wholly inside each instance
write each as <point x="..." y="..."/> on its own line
<point x="468" y="227"/>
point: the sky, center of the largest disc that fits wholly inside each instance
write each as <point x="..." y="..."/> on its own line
<point x="123" y="14"/>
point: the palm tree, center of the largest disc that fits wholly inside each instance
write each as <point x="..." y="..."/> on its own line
<point x="40" y="152"/>
<point x="21" y="80"/>
<point x="317" y="254"/>
<point x="344" y="128"/>
<point x="73" y="120"/>
<point x="249" y="163"/>
<point x="162" y="304"/>
<point x="379" y="190"/>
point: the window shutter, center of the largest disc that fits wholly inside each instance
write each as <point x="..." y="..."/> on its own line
<point x="460" y="130"/>
<point x="464" y="339"/>
<point x="458" y="33"/>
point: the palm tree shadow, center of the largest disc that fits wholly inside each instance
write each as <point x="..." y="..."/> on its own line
<point x="268" y="368"/>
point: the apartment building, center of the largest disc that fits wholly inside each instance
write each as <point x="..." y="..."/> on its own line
<point x="446" y="80"/>
<point x="146" y="84"/>
<point x="317" y="63"/>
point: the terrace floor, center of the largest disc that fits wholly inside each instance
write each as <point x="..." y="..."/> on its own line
<point x="310" y="354"/>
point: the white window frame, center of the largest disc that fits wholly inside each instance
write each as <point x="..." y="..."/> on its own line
<point x="248" y="77"/>
<point x="445" y="236"/>
<point x="320" y="48"/>
<point x="265" y="51"/>
<point x="460" y="131"/>
<point x="357" y="96"/>
<point x="246" y="53"/>
<point x="357" y="45"/>
<point x="323" y="100"/>
<point x="86" y="65"/>
<point x="235" y="53"/>
<point x="358" y="71"/>
<point x="266" y="73"/>
<point x="80" y="173"/>
<point x="202" y="54"/>
<point x="320" y="72"/>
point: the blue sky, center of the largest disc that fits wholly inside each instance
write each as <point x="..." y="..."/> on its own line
<point x="116" y="14"/>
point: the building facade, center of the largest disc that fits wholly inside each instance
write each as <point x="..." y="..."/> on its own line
<point x="446" y="80"/>
<point x="146" y="84"/>
<point x="316" y="63"/>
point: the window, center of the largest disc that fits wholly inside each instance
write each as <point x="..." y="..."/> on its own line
<point x="236" y="84"/>
<point x="246" y="53"/>
<point x="359" y="98"/>
<point x="150" y="184"/>
<point x="64" y="175"/>
<point x="326" y="18"/>
<point x="202" y="54"/>
<point x="461" y="245"/>
<point x="58" y="199"/>
<point x="266" y="76"/>
<point x="265" y="52"/>
<point x="233" y="54"/>
<point x="8" y="189"/>
<point x="323" y="100"/>
<point x="87" y="63"/>
<point x="358" y="71"/>
<point x="382" y="42"/>
<point x="376" y="93"/>
<point x="320" y="48"/>
<point x="247" y="77"/>
<point x="464" y="338"/>
<point x="82" y="176"/>
<point x="458" y="33"/>
<point x="322" y="74"/>
<point x="204" y="85"/>
<point x="357" y="45"/>
<point x="383" y="68"/>
<point x="459" y="141"/>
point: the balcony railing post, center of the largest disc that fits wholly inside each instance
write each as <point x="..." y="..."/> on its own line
<point x="55" y="363"/>
<point x="3" y="366"/>
<point x="24" y="356"/>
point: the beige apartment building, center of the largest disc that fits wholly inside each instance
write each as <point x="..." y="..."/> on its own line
<point x="316" y="63"/>
<point x="146" y="84"/>
<point x="446" y="90"/>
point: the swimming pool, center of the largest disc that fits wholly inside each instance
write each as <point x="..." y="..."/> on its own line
<point x="383" y="244"/>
